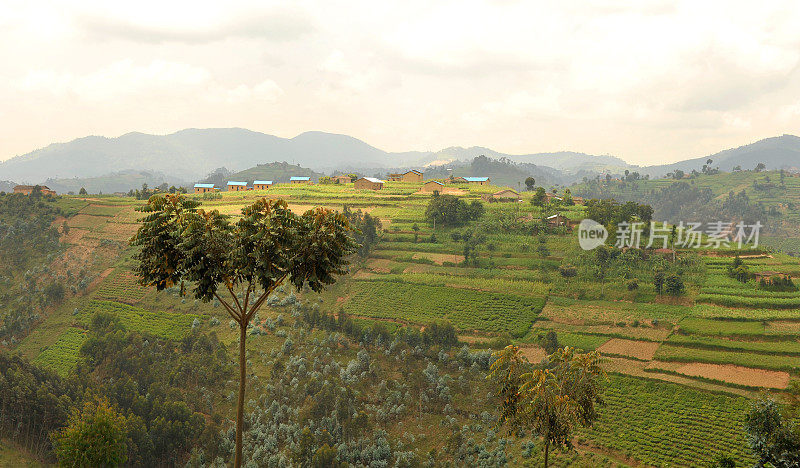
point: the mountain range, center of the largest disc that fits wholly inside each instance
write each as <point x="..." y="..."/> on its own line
<point x="192" y="154"/>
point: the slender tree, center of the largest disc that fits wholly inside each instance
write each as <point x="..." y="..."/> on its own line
<point x="549" y="401"/>
<point x="244" y="260"/>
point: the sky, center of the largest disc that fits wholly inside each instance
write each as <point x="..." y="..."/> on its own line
<point x="649" y="81"/>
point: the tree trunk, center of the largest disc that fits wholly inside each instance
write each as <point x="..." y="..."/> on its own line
<point x="546" y="452"/>
<point x="237" y="463"/>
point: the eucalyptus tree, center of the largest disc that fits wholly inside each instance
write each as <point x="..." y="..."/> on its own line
<point x="547" y="400"/>
<point x="239" y="263"/>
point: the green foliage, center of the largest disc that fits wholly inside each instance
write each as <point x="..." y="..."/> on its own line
<point x="449" y="210"/>
<point x="771" y="436"/>
<point x="63" y="355"/>
<point x="162" y="324"/>
<point x="95" y="436"/>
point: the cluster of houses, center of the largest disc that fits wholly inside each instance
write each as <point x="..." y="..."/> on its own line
<point x="27" y="189"/>
<point x="363" y="183"/>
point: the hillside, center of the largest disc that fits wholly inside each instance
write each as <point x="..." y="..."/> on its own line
<point x="782" y="152"/>
<point x="278" y="172"/>
<point x="705" y="351"/>
<point x="121" y="181"/>
<point x="563" y="160"/>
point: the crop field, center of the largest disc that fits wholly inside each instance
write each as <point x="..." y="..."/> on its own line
<point x="664" y="424"/>
<point x="64" y="354"/>
<point x="787" y="347"/>
<point x="161" y="324"/>
<point x="123" y="287"/>
<point x="562" y="309"/>
<point x="417" y="303"/>
<point x="711" y="327"/>
<point x="101" y="210"/>
<point x="668" y="352"/>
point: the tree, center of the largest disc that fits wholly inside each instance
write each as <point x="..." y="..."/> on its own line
<point x="415" y="228"/>
<point x="530" y="183"/>
<point x="82" y="191"/>
<point x="449" y="210"/>
<point x="247" y="259"/>
<point x="772" y="437"/>
<point x="539" y="197"/>
<point x="94" y="436"/>
<point x="658" y="281"/>
<point x="673" y="285"/>
<point x="760" y="167"/>
<point x="547" y="401"/>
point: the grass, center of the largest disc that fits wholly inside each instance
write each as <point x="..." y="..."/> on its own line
<point x="710" y="327"/>
<point x="610" y="312"/>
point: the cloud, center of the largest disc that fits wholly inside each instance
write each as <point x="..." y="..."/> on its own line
<point x="125" y="79"/>
<point x="279" y="24"/>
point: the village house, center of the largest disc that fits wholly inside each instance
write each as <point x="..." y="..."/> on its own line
<point x="477" y="180"/>
<point x="433" y="186"/>
<point x="506" y="195"/>
<point x="27" y="189"/>
<point x="413" y="175"/>
<point x="342" y="179"/>
<point x="579" y="200"/>
<point x="262" y="184"/>
<point x="301" y="180"/>
<point x="204" y="188"/>
<point x="770" y="276"/>
<point x="234" y="186"/>
<point x="369" y="183"/>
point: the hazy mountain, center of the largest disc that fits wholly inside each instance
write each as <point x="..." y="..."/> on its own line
<point x="193" y="153"/>
<point x="781" y="152"/>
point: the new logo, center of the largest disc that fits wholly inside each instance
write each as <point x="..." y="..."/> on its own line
<point x="591" y="234"/>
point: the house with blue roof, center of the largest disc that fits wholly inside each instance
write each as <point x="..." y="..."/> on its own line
<point x="471" y="180"/>
<point x="300" y="180"/>
<point x="262" y="184"/>
<point x="204" y="188"/>
<point x="234" y="186"/>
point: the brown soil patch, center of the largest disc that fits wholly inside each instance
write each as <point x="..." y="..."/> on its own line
<point x="784" y="325"/>
<point x="416" y="269"/>
<point x="363" y="274"/>
<point x="637" y="369"/>
<point x="472" y="339"/>
<point x="445" y="190"/>
<point x="736" y="374"/>
<point x="119" y="231"/>
<point x="439" y="258"/>
<point x="533" y="354"/>
<point x="379" y="265"/>
<point x="644" y="350"/>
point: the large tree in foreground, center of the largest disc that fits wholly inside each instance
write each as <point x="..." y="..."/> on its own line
<point x="548" y="401"/>
<point x="239" y="263"/>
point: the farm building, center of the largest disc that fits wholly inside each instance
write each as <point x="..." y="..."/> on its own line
<point x="300" y="180"/>
<point x="770" y="276"/>
<point x="262" y="184"/>
<point x="369" y="183"/>
<point x="579" y="200"/>
<point x="433" y="186"/>
<point x="234" y="186"/>
<point x="203" y="188"/>
<point x="410" y="176"/>
<point x="476" y="180"/>
<point x="342" y="179"/>
<point x="506" y="195"/>
<point x="551" y="196"/>
<point x="27" y="189"/>
<point x="556" y="220"/>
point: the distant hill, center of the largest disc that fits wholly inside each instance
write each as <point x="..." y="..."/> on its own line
<point x="563" y="160"/>
<point x="121" y="181"/>
<point x="278" y="172"/>
<point x="6" y="186"/>
<point x="781" y="152"/>
<point x="193" y="153"/>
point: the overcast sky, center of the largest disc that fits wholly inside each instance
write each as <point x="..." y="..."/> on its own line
<point x="653" y="83"/>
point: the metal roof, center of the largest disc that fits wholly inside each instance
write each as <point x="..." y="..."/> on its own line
<point x="262" y="182"/>
<point x="413" y="170"/>
<point x="476" y="179"/>
<point x="231" y="182"/>
<point x="373" y="180"/>
<point x="203" y="185"/>
<point x="300" y="178"/>
<point x="434" y="181"/>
